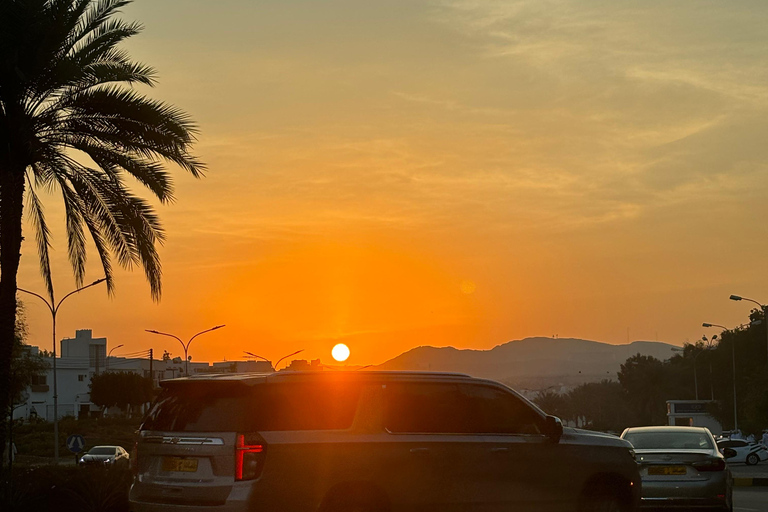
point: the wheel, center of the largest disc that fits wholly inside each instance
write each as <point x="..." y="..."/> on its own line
<point x="603" y="504"/>
<point x="354" y="500"/>
<point x="752" y="459"/>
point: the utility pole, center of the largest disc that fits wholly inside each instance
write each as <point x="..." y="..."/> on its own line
<point x="151" y="375"/>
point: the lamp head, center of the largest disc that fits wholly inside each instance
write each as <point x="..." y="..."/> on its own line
<point x="735" y="297"/>
<point x="706" y="325"/>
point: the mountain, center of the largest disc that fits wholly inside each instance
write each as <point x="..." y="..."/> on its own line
<point x="532" y="363"/>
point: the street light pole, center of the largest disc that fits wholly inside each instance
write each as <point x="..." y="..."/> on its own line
<point x="764" y="309"/>
<point x="289" y="355"/>
<point x="54" y="310"/>
<point x="109" y="354"/>
<point x="185" y="346"/>
<point x="733" y="359"/>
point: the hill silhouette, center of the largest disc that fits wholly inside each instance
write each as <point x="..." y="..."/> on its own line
<point x="531" y="363"/>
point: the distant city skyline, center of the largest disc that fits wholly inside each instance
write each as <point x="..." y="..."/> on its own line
<point x="444" y="172"/>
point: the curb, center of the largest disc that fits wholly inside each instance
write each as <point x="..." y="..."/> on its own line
<point x="750" y="482"/>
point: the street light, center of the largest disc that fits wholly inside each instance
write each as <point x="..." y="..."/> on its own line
<point x="55" y="309"/>
<point x="257" y="357"/>
<point x="695" y="375"/>
<point x="289" y="355"/>
<point x="764" y="309"/>
<point x="185" y="346"/>
<point x="109" y="354"/>
<point x="733" y="358"/>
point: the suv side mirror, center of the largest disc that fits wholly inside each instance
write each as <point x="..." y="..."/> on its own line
<point x="553" y="428"/>
<point x="728" y="452"/>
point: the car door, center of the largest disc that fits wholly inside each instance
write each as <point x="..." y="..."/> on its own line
<point x="522" y="467"/>
<point x="426" y="459"/>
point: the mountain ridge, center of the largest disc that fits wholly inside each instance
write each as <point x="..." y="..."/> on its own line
<point x="534" y="363"/>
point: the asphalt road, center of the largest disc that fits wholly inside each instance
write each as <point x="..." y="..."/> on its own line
<point x="750" y="499"/>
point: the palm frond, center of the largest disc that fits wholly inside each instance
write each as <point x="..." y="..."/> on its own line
<point x="42" y="237"/>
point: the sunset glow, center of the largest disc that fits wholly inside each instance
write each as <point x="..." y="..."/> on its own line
<point x="386" y="175"/>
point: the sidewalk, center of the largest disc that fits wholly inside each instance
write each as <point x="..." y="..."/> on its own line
<point x="750" y="476"/>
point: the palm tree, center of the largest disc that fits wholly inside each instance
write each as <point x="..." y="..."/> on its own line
<point x="71" y="122"/>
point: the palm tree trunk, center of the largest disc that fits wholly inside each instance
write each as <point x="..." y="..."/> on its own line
<point x="11" y="208"/>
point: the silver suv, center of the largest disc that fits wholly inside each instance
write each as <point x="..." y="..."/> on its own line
<point x="369" y="442"/>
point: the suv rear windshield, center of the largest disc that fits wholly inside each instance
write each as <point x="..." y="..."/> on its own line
<point x="235" y="407"/>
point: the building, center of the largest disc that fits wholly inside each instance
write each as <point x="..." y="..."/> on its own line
<point x="692" y="413"/>
<point x="84" y="356"/>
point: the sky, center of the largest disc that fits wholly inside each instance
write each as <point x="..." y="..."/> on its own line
<point x="444" y="172"/>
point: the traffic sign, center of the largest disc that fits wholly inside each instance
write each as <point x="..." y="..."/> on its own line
<point x="75" y="443"/>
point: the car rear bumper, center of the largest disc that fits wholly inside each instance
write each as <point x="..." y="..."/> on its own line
<point x="695" y="495"/>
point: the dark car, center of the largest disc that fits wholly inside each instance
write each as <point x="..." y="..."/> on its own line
<point x="369" y="442"/>
<point x="682" y="468"/>
<point x="109" y="456"/>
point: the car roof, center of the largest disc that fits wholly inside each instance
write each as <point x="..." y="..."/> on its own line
<point x="105" y="446"/>
<point x="667" y="428"/>
<point x="299" y="376"/>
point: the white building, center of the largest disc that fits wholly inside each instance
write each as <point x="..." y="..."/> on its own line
<point x="84" y="356"/>
<point x="692" y="413"/>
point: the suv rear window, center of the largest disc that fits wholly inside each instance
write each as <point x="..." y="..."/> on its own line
<point x="447" y="408"/>
<point x="234" y="407"/>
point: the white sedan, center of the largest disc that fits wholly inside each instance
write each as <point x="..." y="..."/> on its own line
<point x="750" y="453"/>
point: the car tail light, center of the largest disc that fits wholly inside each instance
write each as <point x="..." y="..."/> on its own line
<point x="710" y="465"/>
<point x="249" y="456"/>
<point x="134" y="460"/>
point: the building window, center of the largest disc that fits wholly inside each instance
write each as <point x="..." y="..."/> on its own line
<point x="81" y="378"/>
<point x="39" y="380"/>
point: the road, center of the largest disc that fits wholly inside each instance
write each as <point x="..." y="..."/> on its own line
<point x="750" y="499"/>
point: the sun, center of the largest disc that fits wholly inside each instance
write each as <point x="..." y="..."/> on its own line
<point x="340" y="352"/>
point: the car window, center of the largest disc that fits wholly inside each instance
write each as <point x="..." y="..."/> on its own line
<point x="669" y="440"/>
<point x="448" y="408"/>
<point x="220" y="407"/>
<point x="101" y="450"/>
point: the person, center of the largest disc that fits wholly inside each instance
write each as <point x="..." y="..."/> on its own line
<point x="765" y="437"/>
<point x="751" y="438"/>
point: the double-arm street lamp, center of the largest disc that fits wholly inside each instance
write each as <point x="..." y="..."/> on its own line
<point x="54" y="310"/>
<point x="763" y="308"/>
<point x="185" y="345"/>
<point x="270" y="362"/>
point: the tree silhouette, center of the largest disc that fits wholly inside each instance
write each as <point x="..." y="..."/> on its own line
<point x="70" y="122"/>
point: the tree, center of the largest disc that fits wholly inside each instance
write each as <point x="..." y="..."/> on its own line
<point x="645" y="381"/>
<point x="70" y="122"/>
<point x="120" y="389"/>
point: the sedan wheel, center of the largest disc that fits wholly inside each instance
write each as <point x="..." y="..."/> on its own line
<point x="752" y="459"/>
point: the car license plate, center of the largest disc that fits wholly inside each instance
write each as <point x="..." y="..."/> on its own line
<point x="179" y="464"/>
<point x="666" y="470"/>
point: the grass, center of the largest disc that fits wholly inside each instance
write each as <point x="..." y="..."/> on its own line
<point x="35" y="440"/>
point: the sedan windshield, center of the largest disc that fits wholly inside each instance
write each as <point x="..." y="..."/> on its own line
<point x="669" y="440"/>
<point x="101" y="450"/>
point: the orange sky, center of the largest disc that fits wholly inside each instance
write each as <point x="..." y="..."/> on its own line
<point x="407" y="172"/>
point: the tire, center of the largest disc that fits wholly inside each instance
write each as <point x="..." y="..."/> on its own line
<point x="752" y="459"/>
<point x="603" y="504"/>
<point x="354" y="500"/>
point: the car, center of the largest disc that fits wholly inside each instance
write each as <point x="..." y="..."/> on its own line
<point x="342" y="441"/>
<point x="681" y="468"/>
<point x="109" y="456"/>
<point x="750" y="453"/>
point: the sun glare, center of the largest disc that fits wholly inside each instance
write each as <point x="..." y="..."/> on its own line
<point x="340" y="352"/>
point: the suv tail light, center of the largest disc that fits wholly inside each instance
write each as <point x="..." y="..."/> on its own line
<point x="249" y="456"/>
<point x="710" y="465"/>
<point x="134" y="460"/>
